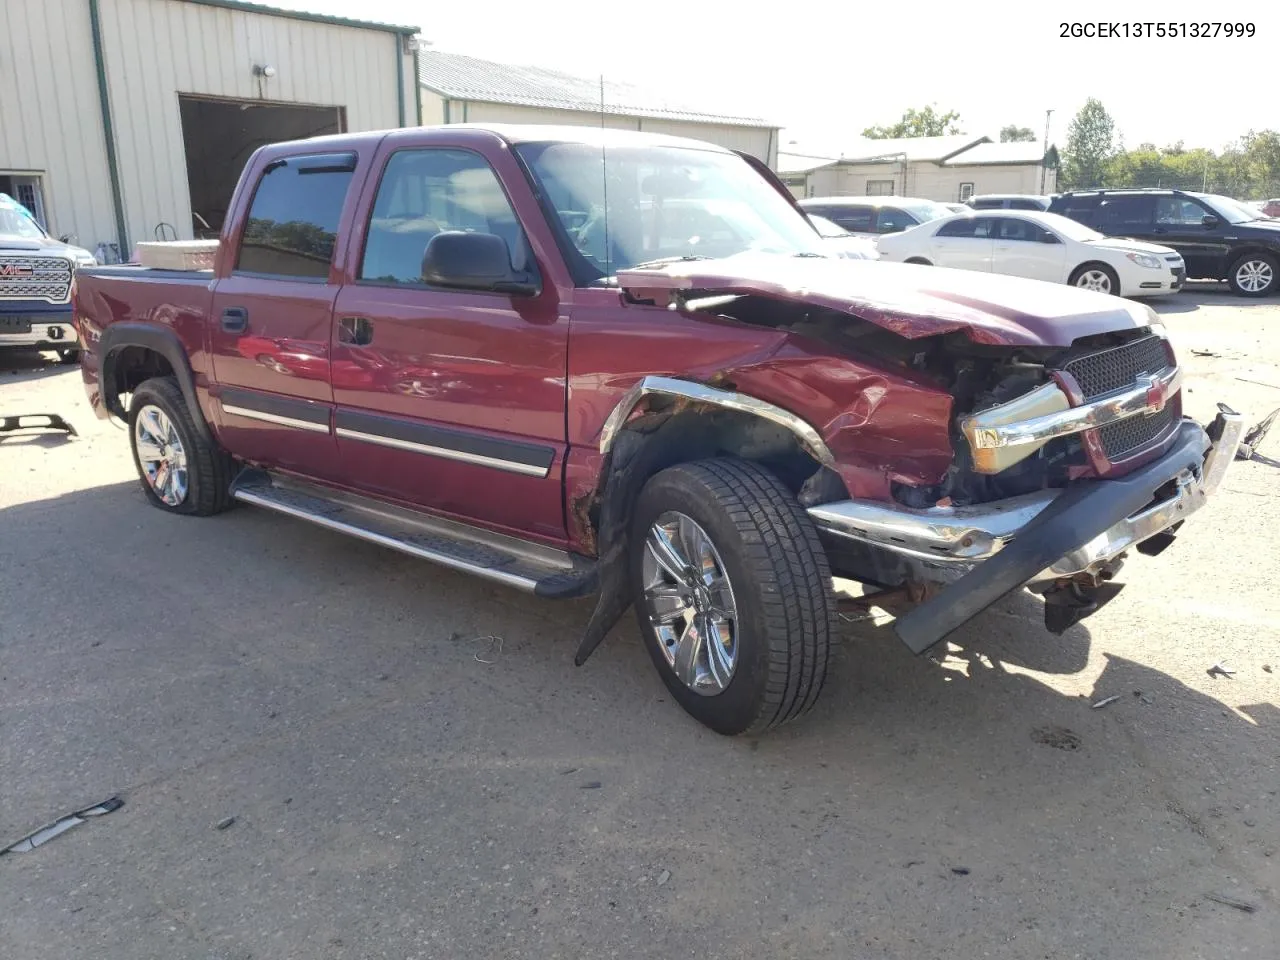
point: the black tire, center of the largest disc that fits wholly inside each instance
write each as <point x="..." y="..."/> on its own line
<point x="69" y="356"/>
<point x="1259" y="262"/>
<point x="919" y="261"/>
<point x="209" y="468"/>
<point x="1084" y="268"/>
<point x="781" y="588"/>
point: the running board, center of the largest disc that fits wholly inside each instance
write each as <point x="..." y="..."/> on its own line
<point x="543" y="571"/>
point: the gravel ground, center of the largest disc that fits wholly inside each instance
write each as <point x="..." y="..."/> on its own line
<point x="395" y="796"/>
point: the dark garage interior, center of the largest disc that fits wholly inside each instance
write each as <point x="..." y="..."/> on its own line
<point x="220" y="135"/>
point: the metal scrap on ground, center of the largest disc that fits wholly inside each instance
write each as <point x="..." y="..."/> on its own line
<point x="47" y="833"/>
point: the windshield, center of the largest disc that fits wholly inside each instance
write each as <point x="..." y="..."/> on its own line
<point x="826" y="228"/>
<point x="15" y="223"/>
<point x="1071" y="229"/>
<point x="1228" y="209"/>
<point x="633" y="205"/>
<point x="926" y="211"/>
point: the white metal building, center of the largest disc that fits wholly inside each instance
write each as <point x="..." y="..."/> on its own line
<point x="462" y="89"/>
<point x="128" y="120"/>
<point x="950" y="168"/>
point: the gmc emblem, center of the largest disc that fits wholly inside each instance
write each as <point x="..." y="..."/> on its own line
<point x="17" y="270"/>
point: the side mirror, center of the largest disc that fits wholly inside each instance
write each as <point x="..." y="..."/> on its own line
<point x="474" y="261"/>
<point x="67" y="238"/>
<point x="1210" y="221"/>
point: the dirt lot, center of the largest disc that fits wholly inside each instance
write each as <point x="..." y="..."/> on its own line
<point x="395" y="796"/>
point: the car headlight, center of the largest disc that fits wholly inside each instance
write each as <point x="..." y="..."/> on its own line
<point x="1145" y="260"/>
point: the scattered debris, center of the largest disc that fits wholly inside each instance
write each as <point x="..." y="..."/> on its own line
<point x="384" y="676"/>
<point x="1267" y="667"/>
<point x="856" y="617"/>
<point x="1145" y="699"/>
<point x="1255" y="435"/>
<point x="568" y="770"/>
<point x="1106" y="700"/>
<point x="224" y="823"/>
<point x="663" y="877"/>
<point x="1060" y="738"/>
<point x="47" y="833"/>
<point x="591" y="785"/>
<point x="912" y="863"/>
<point x="1232" y="902"/>
<point x="1218" y="670"/>
<point x="1261" y="383"/>
<point x="492" y="651"/>
<point x="12" y="423"/>
<point x="1204" y="353"/>
<point x="960" y="871"/>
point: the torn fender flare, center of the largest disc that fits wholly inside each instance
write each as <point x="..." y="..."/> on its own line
<point x="1081" y="513"/>
<point x="808" y="437"/>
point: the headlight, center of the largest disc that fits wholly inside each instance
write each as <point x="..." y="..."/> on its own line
<point x="1145" y="260"/>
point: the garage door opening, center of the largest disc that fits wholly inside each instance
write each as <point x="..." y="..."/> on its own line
<point x="221" y="135"/>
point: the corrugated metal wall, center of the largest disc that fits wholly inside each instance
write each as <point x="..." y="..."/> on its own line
<point x="758" y="141"/>
<point x="50" y="122"/>
<point x="50" y="118"/>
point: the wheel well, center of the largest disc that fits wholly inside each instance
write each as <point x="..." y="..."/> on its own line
<point x="1092" y="263"/>
<point x="129" y="367"/>
<point x="1252" y="252"/>
<point x="920" y="260"/>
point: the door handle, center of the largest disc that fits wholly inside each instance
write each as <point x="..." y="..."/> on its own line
<point x="235" y="319"/>
<point x="357" y="331"/>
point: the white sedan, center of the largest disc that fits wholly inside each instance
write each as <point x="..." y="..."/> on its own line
<point x="1041" y="246"/>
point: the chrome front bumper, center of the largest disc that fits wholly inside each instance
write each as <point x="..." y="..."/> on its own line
<point x="47" y="335"/>
<point x="952" y="540"/>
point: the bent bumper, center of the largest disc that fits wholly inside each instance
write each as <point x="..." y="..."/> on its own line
<point x="986" y="551"/>
<point x="42" y="335"/>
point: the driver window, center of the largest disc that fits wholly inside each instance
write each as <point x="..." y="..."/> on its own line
<point x="425" y="192"/>
<point x="1178" y="211"/>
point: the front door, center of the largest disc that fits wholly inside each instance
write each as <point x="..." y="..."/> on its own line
<point x="1021" y="250"/>
<point x="272" y="317"/>
<point x="452" y="400"/>
<point x="1180" y="223"/>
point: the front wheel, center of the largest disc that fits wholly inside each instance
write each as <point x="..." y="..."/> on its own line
<point x="1253" y="275"/>
<point x="180" y="471"/>
<point x="1097" y="277"/>
<point x="733" y="594"/>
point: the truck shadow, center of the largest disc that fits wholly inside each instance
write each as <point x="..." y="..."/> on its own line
<point x="22" y="366"/>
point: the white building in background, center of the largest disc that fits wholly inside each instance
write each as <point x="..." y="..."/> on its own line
<point x="128" y="120"/>
<point x="950" y="168"/>
<point x="462" y="89"/>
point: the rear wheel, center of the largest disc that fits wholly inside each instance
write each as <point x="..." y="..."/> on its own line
<point x="920" y="261"/>
<point x="1254" y="275"/>
<point x="1096" y="276"/>
<point x="180" y="471"/>
<point x="733" y="594"/>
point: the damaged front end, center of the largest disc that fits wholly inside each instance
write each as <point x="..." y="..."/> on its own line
<point x="1062" y="465"/>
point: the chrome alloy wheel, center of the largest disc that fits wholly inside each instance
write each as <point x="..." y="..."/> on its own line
<point x="688" y="601"/>
<point x="1094" y="280"/>
<point x="1254" y="276"/>
<point x="161" y="455"/>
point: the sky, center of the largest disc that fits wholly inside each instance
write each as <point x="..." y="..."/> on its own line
<point x="825" y="70"/>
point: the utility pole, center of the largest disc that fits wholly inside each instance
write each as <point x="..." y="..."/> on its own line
<point x="1044" y="170"/>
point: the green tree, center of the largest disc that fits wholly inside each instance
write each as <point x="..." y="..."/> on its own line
<point x="926" y="122"/>
<point x="1016" y="134"/>
<point x="1090" y="146"/>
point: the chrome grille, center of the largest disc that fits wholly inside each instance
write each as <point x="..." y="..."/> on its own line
<point x="1117" y="368"/>
<point x="35" y="278"/>
<point x="1123" y="438"/>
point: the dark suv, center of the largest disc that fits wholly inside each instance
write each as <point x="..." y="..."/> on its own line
<point x="1218" y="238"/>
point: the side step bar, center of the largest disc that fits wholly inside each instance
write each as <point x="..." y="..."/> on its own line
<point x="542" y="571"/>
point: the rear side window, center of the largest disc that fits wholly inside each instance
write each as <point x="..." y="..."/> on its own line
<point x="293" y="221"/>
<point x="986" y="203"/>
<point x="853" y="219"/>
<point x="892" y="220"/>
<point x="1019" y="203"/>
<point x="1083" y="209"/>
<point x="964" y="227"/>
<point x="1117" y="214"/>
<point x="425" y="192"/>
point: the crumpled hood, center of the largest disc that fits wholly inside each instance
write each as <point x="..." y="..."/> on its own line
<point x="912" y="301"/>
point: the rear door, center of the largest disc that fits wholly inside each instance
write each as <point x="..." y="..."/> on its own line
<point x="272" y="313"/>
<point x="1179" y="223"/>
<point x="964" y="243"/>
<point x="1020" y="250"/>
<point x="453" y="400"/>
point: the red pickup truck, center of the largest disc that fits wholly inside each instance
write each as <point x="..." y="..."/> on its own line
<point x="578" y="362"/>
